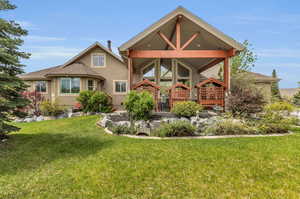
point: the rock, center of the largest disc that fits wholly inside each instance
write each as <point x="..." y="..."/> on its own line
<point x="106" y="122"/>
<point x="76" y="114"/>
<point x="49" y="117"/>
<point x="29" y="119"/>
<point x="123" y="123"/>
<point x="203" y="114"/>
<point x="141" y="124"/>
<point x="19" y="120"/>
<point x="184" y="119"/>
<point x="39" y="118"/>
<point x="155" y="124"/>
<point x="211" y="113"/>
<point x="64" y="115"/>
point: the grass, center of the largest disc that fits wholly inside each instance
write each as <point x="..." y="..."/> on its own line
<point x="72" y="158"/>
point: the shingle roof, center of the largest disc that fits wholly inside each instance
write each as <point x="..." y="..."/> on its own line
<point x="288" y="92"/>
<point x="38" y="75"/>
<point x="262" y="78"/>
<point x="75" y="69"/>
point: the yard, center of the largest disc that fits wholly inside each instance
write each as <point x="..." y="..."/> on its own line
<point x="72" y="158"/>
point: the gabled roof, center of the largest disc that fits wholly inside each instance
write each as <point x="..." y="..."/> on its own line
<point x="261" y="78"/>
<point x="38" y="75"/>
<point x="210" y="80"/>
<point x="146" y="82"/>
<point x="96" y="44"/>
<point x="75" y="69"/>
<point x="182" y="11"/>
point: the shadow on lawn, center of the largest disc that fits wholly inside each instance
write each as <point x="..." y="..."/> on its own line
<point x="30" y="151"/>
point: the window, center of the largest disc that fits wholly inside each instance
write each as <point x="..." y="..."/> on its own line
<point x="69" y="85"/>
<point x="91" y="86"/>
<point x="98" y="60"/>
<point x="41" y="86"/>
<point x="120" y="86"/>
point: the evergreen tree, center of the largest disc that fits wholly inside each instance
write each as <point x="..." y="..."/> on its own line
<point x="296" y="97"/>
<point x="275" y="88"/>
<point x="11" y="86"/>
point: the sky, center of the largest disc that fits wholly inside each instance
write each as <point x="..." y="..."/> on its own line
<point x="59" y="29"/>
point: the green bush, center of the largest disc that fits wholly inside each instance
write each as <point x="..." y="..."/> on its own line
<point x="51" y="109"/>
<point x="122" y="129"/>
<point x="83" y="99"/>
<point x="273" y="128"/>
<point x="139" y="105"/>
<point x="94" y="101"/>
<point x="230" y="127"/>
<point x="177" y="129"/>
<point x="186" y="108"/>
<point x="280" y="106"/>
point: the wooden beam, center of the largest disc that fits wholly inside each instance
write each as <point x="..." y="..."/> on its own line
<point x="166" y="40"/>
<point x="178" y="54"/>
<point x="130" y="75"/>
<point x="189" y="41"/>
<point x="210" y="64"/>
<point x="226" y="72"/>
<point x="178" y="32"/>
<point x="232" y="52"/>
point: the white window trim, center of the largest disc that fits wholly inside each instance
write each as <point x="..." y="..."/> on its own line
<point x="114" y="87"/>
<point x="35" y="84"/>
<point x="94" y="82"/>
<point x="68" y="94"/>
<point x="92" y="63"/>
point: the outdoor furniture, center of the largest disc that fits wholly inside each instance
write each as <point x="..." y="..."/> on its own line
<point x="210" y="93"/>
<point x="177" y="93"/>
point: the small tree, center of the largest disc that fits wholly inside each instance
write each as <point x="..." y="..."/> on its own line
<point x="275" y="88"/>
<point x="35" y="99"/>
<point x="244" y="98"/>
<point x="139" y="105"/>
<point x="11" y="86"/>
<point x="296" y="97"/>
<point x="242" y="62"/>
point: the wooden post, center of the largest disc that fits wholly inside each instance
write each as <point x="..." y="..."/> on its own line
<point x="130" y="69"/>
<point x="178" y="32"/>
<point x="226" y="73"/>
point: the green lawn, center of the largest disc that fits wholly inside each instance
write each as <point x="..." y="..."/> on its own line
<point x="72" y="159"/>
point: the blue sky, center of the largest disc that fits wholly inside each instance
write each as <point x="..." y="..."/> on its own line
<point x="58" y="29"/>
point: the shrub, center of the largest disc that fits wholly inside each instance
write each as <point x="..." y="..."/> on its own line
<point x="122" y="129"/>
<point x="100" y="102"/>
<point x="83" y="99"/>
<point x="139" y="105"/>
<point x="179" y="128"/>
<point x="94" y="101"/>
<point x="273" y="128"/>
<point x="280" y="106"/>
<point x="244" y="99"/>
<point x="230" y="127"/>
<point x="186" y="108"/>
<point x="51" y="109"/>
<point x="36" y="98"/>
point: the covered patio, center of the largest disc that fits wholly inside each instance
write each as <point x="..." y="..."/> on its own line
<point x="174" y="54"/>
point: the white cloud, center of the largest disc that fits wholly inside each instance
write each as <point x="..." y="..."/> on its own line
<point x="51" y="52"/>
<point x="279" y="53"/>
<point x="36" y="38"/>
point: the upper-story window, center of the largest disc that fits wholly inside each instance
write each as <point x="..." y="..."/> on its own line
<point x="98" y="60"/>
<point x="41" y="86"/>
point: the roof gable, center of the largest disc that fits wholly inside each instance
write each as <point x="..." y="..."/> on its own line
<point x="195" y="19"/>
<point x="82" y="53"/>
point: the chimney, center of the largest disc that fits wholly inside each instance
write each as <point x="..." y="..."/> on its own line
<point x="109" y="45"/>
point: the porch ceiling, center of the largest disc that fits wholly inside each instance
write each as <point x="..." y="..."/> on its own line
<point x="208" y="38"/>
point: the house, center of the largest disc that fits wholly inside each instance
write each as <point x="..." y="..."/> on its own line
<point x="288" y="93"/>
<point x="180" y="48"/>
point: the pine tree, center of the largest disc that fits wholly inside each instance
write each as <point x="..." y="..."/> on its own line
<point x="11" y="86"/>
<point x="275" y="88"/>
<point x="296" y="97"/>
